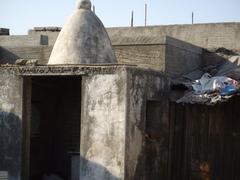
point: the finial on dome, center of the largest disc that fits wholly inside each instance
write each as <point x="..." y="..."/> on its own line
<point x="84" y="4"/>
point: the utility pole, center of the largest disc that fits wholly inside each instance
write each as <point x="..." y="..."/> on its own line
<point x="145" y="13"/>
<point x="192" y="17"/>
<point x="132" y="19"/>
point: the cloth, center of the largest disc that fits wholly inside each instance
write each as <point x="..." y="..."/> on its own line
<point x="210" y="90"/>
<point x="211" y="84"/>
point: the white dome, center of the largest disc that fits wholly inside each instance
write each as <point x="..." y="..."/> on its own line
<point x="83" y="39"/>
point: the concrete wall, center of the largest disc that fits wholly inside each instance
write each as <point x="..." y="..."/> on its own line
<point x="11" y="113"/>
<point x="180" y="61"/>
<point x="11" y="54"/>
<point x="103" y="127"/>
<point x="210" y="35"/>
<point x="52" y="35"/>
<point x="168" y="55"/>
<point x="113" y="129"/>
<point x="26" y="47"/>
<point x="147" y="56"/>
<point x="144" y="86"/>
<point x="138" y="45"/>
<point x="24" y="40"/>
<point x="204" y="35"/>
<point x="114" y="125"/>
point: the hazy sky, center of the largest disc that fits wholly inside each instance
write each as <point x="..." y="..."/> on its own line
<point x="21" y="15"/>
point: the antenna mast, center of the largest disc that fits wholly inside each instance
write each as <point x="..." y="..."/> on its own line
<point x="192" y="17"/>
<point x="132" y="19"/>
<point x="145" y="13"/>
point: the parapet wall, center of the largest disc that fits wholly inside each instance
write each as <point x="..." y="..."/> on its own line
<point x="204" y="35"/>
<point x="23" y="40"/>
<point x="50" y="32"/>
<point x="212" y="35"/>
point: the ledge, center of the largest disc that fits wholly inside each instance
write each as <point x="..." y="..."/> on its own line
<point x="66" y="70"/>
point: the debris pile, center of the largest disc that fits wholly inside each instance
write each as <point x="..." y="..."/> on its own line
<point x="210" y="90"/>
<point x="213" y="83"/>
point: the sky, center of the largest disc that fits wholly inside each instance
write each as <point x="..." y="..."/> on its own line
<point x="21" y="15"/>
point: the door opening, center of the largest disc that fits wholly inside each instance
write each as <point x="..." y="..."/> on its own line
<point x="55" y="125"/>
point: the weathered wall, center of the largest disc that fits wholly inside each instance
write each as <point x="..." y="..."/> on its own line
<point x="148" y="56"/>
<point x="165" y="54"/>
<point x="103" y="127"/>
<point x="145" y="55"/>
<point x="11" y="54"/>
<point x="28" y="47"/>
<point x="180" y="61"/>
<point x="23" y="40"/>
<point x="51" y="34"/>
<point x="210" y="35"/>
<point x="204" y="35"/>
<point x="168" y="55"/>
<point x="115" y="132"/>
<point x="11" y="108"/>
<point x="144" y="86"/>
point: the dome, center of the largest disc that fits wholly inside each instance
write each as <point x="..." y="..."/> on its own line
<point x="83" y="39"/>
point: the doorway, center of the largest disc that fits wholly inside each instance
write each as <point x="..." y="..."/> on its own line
<point x="55" y="126"/>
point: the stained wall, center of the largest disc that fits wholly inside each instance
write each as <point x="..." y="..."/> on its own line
<point x="11" y="119"/>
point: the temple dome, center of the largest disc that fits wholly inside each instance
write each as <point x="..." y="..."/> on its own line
<point x="83" y="39"/>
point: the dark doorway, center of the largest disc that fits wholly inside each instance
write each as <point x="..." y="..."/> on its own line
<point x="55" y="125"/>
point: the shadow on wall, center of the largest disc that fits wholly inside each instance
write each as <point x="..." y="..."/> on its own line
<point x="227" y="60"/>
<point x="10" y="144"/>
<point x="7" y="57"/>
<point x="88" y="171"/>
<point x="10" y="153"/>
<point x="93" y="171"/>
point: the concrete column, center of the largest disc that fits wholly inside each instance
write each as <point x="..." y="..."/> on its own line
<point x="103" y="127"/>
